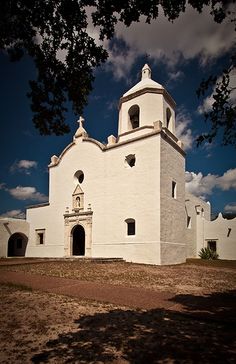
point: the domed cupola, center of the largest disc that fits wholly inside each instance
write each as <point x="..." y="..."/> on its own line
<point x="145" y="103"/>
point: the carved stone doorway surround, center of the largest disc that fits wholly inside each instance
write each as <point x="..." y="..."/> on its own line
<point x="70" y="221"/>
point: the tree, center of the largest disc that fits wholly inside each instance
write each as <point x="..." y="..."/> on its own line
<point x="45" y="29"/>
<point x="222" y="115"/>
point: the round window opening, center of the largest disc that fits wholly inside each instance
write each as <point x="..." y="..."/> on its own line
<point x="79" y="177"/>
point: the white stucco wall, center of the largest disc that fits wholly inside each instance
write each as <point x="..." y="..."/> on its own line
<point x="222" y="231"/>
<point x="172" y="223"/>
<point x="129" y="193"/>
<point x="46" y="218"/>
<point x="194" y="206"/>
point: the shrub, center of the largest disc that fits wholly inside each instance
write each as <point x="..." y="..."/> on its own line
<point x="207" y="253"/>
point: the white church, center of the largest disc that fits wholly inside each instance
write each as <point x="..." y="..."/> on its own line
<point x="125" y="199"/>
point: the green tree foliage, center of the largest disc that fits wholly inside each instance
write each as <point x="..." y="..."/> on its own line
<point x="222" y="115"/>
<point x="207" y="253"/>
<point x="45" y="29"/>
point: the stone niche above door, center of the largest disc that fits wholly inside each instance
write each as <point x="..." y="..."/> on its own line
<point x="78" y="199"/>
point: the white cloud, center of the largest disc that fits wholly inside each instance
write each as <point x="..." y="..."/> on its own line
<point x="183" y="131"/>
<point x="190" y="36"/>
<point x="27" y="164"/>
<point x="23" y="166"/>
<point x="19" y="214"/>
<point x="27" y="193"/>
<point x="228" y="180"/>
<point x="230" y="207"/>
<point x="199" y="185"/>
<point x="202" y="186"/>
<point x="175" y="76"/>
<point x="206" y="105"/>
<point x="112" y="105"/>
<point x="120" y="61"/>
<point x="24" y="193"/>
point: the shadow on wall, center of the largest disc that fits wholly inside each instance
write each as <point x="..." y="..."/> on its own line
<point x="203" y="333"/>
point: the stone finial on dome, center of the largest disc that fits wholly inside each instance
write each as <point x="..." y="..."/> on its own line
<point x="80" y="131"/>
<point x="146" y="72"/>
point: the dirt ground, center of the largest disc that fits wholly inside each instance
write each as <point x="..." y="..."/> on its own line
<point x="38" y="327"/>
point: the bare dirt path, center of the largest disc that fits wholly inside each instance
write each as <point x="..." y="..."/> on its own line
<point x="119" y="295"/>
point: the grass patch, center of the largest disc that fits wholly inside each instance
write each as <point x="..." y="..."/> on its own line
<point x="17" y="286"/>
<point x="219" y="263"/>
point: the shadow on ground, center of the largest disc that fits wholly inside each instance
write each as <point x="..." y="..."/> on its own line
<point x="203" y="333"/>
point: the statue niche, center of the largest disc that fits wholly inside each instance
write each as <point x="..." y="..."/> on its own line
<point x="78" y="199"/>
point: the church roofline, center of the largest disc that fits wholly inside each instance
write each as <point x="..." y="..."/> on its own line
<point x="94" y="141"/>
<point x="87" y="139"/>
<point x="11" y="219"/>
<point x="134" y="130"/>
<point x="61" y="155"/>
<point x="37" y="205"/>
<point x="164" y="132"/>
<point x="152" y="90"/>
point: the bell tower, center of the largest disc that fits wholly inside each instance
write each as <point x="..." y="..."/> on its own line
<point x="144" y="104"/>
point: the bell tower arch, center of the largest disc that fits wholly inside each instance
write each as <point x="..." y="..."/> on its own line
<point x="144" y="104"/>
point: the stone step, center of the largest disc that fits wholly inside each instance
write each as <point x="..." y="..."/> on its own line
<point x="93" y="260"/>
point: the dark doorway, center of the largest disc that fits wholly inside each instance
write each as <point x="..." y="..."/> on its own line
<point x="17" y="244"/>
<point x="78" y="247"/>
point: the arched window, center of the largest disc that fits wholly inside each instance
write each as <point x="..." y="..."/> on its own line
<point x="134" y="116"/>
<point x="130" y="226"/>
<point x="168" y="118"/>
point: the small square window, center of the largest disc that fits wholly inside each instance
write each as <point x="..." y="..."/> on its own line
<point x="211" y="244"/>
<point x="40" y="236"/>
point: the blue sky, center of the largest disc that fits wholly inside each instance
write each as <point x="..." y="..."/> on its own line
<point x="180" y="55"/>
